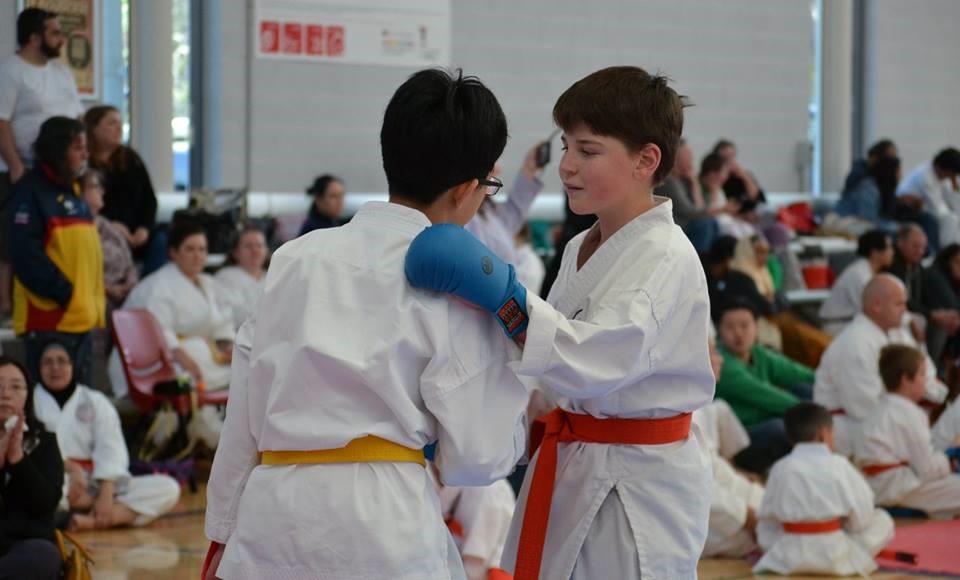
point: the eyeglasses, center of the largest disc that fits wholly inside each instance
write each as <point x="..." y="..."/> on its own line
<point x="493" y="183"/>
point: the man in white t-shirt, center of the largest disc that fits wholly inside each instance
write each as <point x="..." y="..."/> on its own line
<point x="34" y="86"/>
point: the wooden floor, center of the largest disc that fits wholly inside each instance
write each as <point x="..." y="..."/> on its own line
<point x="173" y="547"/>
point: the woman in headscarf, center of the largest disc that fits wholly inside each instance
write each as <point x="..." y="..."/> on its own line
<point x="102" y="493"/>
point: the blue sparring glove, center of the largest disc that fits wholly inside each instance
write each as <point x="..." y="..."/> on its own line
<point x="448" y="258"/>
<point x="953" y="454"/>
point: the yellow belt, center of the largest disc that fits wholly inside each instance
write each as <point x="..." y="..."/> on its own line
<point x="363" y="450"/>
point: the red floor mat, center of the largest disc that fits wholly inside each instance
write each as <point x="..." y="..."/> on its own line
<point x="936" y="544"/>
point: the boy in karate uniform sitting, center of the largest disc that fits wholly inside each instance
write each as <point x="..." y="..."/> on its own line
<point x="817" y="514"/>
<point x="896" y="452"/>
<point x="345" y="373"/>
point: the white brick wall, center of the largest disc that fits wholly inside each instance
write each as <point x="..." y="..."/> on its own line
<point x="918" y="76"/>
<point x="745" y="64"/>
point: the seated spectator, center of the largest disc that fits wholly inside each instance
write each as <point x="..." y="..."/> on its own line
<point x="933" y="188"/>
<point x="129" y="201"/>
<point x="873" y="197"/>
<point x="800" y="340"/>
<point x="31" y="482"/>
<point x="817" y="515"/>
<point x="875" y="253"/>
<point x="241" y="280"/>
<point x="497" y="224"/>
<point x="530" y="267"/>
<point x="897" y="454"/>
<point x="927" y="296"/>
<point x="102" y="493"/>
<point x="188" y="307"/>
<point x="57" y="260"/>
<point x="478" y="518"/>
<point x="690" y="210"/>
<point x="736" y="497"/>
<point x="740" y="185"/>
<point x="728" y="212"/>
<point x="883" y="148"/>
<point x="119" y="271"/>
<point x="327" y="206"/>
<point x="759" y="384"/>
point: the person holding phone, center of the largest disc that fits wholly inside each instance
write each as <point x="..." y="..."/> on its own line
<point x="497" y="224"/>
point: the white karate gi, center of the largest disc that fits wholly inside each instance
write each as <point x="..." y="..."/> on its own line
<point x="530" y="268"/>
<point x="848" y="377"/>
<point x="484" y="514"/>
<point x="898" y="430"/>
<point x="88" y="429"/>
<point x="192" y="318"/>
<point x="939" y="199"/>
<point x="812" y="484"/>
<point x="340" y="348"/>
<point x="240" y="292"/>
<point x="947" y="428"/>
<point x="846" y="296"/>
<point x="497" y="223"/>
<point x="732" y="492"/>
<point x="625" y="336"/>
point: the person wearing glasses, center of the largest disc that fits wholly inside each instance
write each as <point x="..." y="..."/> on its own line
<point x="31" y="482"/>
<point x="101" y="493"/>
<point x="498" y="223"/>
<point x="345" y="373"/>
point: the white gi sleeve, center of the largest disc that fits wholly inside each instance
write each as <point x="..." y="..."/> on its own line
<point x="926" y="462"/>
<point x="237" y="453"/>
<point x="111" y="461"/>
<point x="858" y="385"/>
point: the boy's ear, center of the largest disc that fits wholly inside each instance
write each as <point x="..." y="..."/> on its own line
<point x="460" y="193"/>
<point x="647" y="160"/>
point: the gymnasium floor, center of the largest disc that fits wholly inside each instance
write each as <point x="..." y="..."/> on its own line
<point x="173" y="547"/>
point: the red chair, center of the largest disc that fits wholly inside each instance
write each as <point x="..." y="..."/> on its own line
<point x="148" y="364"/>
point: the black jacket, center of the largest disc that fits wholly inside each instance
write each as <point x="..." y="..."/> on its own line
<point x="30" y="492"/>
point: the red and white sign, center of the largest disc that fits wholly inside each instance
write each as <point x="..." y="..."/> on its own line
<point x="416" y="34"/>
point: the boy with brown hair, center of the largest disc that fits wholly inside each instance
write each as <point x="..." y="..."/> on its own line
<point x="817" y="514"/>
<point x="896" y="454"/>
<point x="619" y="485"/>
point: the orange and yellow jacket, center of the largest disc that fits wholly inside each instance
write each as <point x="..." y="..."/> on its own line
<point x="56" y="256"/>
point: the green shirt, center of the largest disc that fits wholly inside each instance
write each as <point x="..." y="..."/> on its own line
<point x="755" y="391"/>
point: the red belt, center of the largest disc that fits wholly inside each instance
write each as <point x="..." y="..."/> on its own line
<point x="837" y="412"/>
<point x="86" y="464"/>
<point x="824" y="527"/>
<point x="878" y="468"/>
<point x="560" y="426"/>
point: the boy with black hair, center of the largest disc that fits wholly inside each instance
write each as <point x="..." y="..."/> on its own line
<point x="817" y="514"/>
<point x="619" y="485"/>
<point x="874" y="255"/>
<point x="896" y="454"/>
<point x="345" y="373"/>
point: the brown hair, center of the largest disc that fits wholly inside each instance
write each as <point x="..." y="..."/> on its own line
<point x="898" y="361"/>
<point x="628" y="104"/>
<point x="119" y="159"/>
<point x="712" y="163"/>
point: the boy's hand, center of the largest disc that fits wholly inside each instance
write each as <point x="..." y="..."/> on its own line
<point x="448" y="258"/>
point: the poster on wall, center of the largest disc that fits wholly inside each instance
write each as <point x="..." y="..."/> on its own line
<point x="78" y="52"/>
<point x="412" y="33"/>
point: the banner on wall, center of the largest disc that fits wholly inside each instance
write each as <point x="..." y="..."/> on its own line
<point x="78" y="52"/>
<point x="385" y="32"/>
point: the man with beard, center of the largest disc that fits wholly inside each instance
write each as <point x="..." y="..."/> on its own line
<point x="34" y="86"/>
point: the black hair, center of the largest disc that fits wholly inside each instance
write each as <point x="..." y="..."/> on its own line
<point x="182" y="229"/>
<point x="30" y="415"/>
<point x="948" y="159"/>
<point x="321" y="183"/>
<point x="722" y="250"/>
<point x="31" y="21"/>
<point x="440" y="131"/>
<point x="732" y="303"/>
<point x="722" y="144"/>
<point x="56" y="136"/>
<point x="872" y="241"/>
<point x="880" y="148"/>
<point x="711" y="163"/>
<point x="943" y="259"/>
<point x="804" y="421"/>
